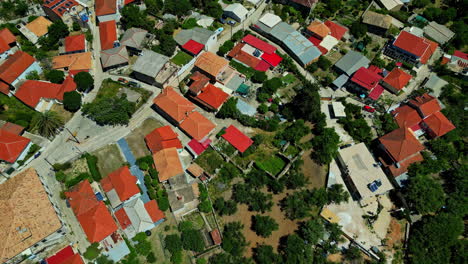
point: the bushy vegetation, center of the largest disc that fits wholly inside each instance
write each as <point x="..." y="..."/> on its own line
<point x="109" y="110"/>
<point x="92" y="161"/>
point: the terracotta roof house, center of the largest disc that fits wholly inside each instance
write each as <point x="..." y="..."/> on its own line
<point x="106" y="10"/>
<point x="237" y="139"/>
<point x="107" y="34"/>
<point x="366" y="80"/>
<point x="407" y="117"/>
<point x="197" y="82"/>
<point x="196" y="148"/>
<point x="35" y="29"/>
<point x="153" y="210"/>
<point x="120" y="185"/>
<point x="161" y="138"/>
<point x="401" y="148"/>
<point x="211" y="97"/>
<point x="73" y="62"/>
<point x="211" y="64"/>
<point x="255" y="53"/>
<point x="437" y="125"/>
<point x="75" y="44"/>
<point x="154" y="69"/>
<point x="426" y="105"/>
<point x="60" y="9"/>
<point x="197" y="126"/>
<point x="114" y="58"/>
<point x="167" y="163"/>
<point x="216" y="236"/>
<point x="337" y="31"/>
<point x="133" y="39"/>
<point x="65" y="256"/>
<point x="396" y="80"/>
<point x="195" y="170"/>
<point x="172" y="105"/>
<point x="28" y="217"/>
<point x="13" y="147"/>
<point x="319" y="29"/>
<point x="39" y="94"/>
<point x="81" y="198"/>
<point x="15" y="69"/>
<point x="7" y="41"/>
<point x="12" y="128"/>
<point x="411" y="48"/>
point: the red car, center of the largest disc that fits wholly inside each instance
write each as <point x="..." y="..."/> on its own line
<point x="369" y="109"/>
<point x="122" y="80"/>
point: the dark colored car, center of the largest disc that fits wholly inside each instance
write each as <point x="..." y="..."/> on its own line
<point x="134" y="84"/>
<point x="369" y="109"/>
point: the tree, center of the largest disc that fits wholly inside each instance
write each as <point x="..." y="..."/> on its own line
<point x="47" y="124"/>
<point x="84" y="81"/>
<point x="177" y="7"/>
<point x="109" y="110"/>
<point x="337" y="194"/>
<point x="311" y="231"/>
<point x="76" y="26"/>
<point x="263" y="225"/>
<point x="55" y="76"/>
<point x="334" y="5"/>
<point x="33" y="75"/>
<point x="234" y="241"/>
<point x="325" y="146"/>
<point x="324" y="63"/>
<point x="295" y="180"/>
<point x="377" y="61"/>
<point x="72" y="101"/>
<point x="263" y="254"/>
<point x="295" y="250"/>
<point x="154" y="7"/>
<point x="259" y="77"/>
<point x="424" y="194"/>
<point x="213" y="9"/>
<point x="229" y="109"/>
<point x="56" y="31"/>
<point x="353" y="253"/>
<point x="225" y="48"/>
<point x="133" y="17"/>
<point x="173" y="243"/>
<point x="358" y="29"/>
<point x="295" y="132"/>
<point x="294" y="205"/>
<point x="102" y="259"/>
<point x="225" y="207"/>
<point x="193" y="240"/>
<point x="420" y="3"/>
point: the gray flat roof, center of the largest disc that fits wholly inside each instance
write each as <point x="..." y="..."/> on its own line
<point x="200" y="35"/>
<point x="438" y="32"/>
<point x="133" y="37"/>
<point x="150" y="63"/>
<point x="351" y="62"/>
<point x="341" y="80"/>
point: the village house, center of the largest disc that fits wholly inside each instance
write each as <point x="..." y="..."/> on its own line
<point x="7" y="42"/>
<point x="366" y="81"/>
<point x="236" y="138"/>
<point x="172" y="106"/>
<point x="74" y="44"/>
<point x="65" y="256"/>
<point x="192" y="39"/>
<point x="15" y="69"/>
<point x="440" y="33"/>
<point x="167" y="163"/>
<point x="236" y="11"/>
<point x="351" y="62"/>
<point x="13" y="146"/>
<point x="211" y="97"/>
<point x="120" y="186"/>
<point x="162" y="138"/>
<point x="396" y="80"/>
<point x="114" y="58"/>
<point x="197" y="126"/>
<point x="65" y="10"/>
<point x="106" y="10"/>
<point x="133" y="39"/>
<point x="377" y="23"/>
<point x="73" y="63"/>
<point x="108" y="35"/>
<point x="391" y="5"/>
<point x="410" y="48"/>
<point x="35" y="29"/>
<point x="211" y="65"/>
<point x="154" y="68"/>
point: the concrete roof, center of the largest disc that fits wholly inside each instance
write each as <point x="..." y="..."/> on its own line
<point x="363" y="170"/>
<point x="438" y="32"/>
<point x="270" y="20"/>
<point x="115" y="56"/>
<point x="136" y="212"/>
<point x="376" y="19"/>
<point x="341" y="80"/>
<point x="391" y="4"/>
<point x="150" y="63"/>
<point x="338" y="109"/>
<point x="329" y="42"/>
<point x="238" y="9"/>
<point x="200" y="35"/>
<point x="351" y="62"/>
<point x="133" y="37"/>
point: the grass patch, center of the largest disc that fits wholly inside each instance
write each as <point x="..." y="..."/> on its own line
<point x="14" y="111"/>
<point x="288" y="79"/>
<point x="110" y="88"/>
<point x="273" y="164"/>
<point x="196" y="219"/>
<point x="247" y="71"/>
<point x="136" y="139"/>
<point x="210" y="160"/>
<point x="291" y="151"/>
<point x="92" y="251"/>
<point x="181" y="58"/>
<point x="225" y="147"/>
<point x="108" y="159"/>
<point x="92" y="161"/>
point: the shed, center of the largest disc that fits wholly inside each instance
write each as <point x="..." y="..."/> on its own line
<point x="236" y="11"/>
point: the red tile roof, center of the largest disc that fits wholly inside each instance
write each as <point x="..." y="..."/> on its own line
<point x="105" y="7"/>
<point x="315" y="41"/>
<point x="376" y="92"/>
<point x="262" y="66"/>
<point x="418" y="46"/>
<point x="126" y="2"/>
<point x="401" y="143"/>
<point x="6" y="38"/>
<point x="107" y="34"/>
<point x="31" y="91"/>
<point x="197" y="126"/>
<point x="198" y="147"/>
<point x="167" y="163"/>
<point x="161" y="138"/>
<point x="59" y="7"/>
<point x="319" y="28"/>
<point x="426" y="104"/>
<point x="247" y="59"/>
<point x="75" y="259"/>
<point x="81" y="198"/>
<point x="154" y="212"/>
<point x="65" y="256"/>
<point x="213" y="96"/>
<point x="397" y="78"/>
<point x="259" y="44"/>
<point x="4" y="88"/>
<point x="407" y="117"/>
<point x="199" y="80"/>
<point x="366" y="78"/>
<point x="97" y="223"/>
<point x="439" y="124"/>
<point x="337" y="31"/>
<point x="122" y="218"/>
<point x="273" y="59"/>
<point x="75" y="43"/>
<point x="123" y="182"/>
<point x="12" y="128"/>
<point x="193" y="47"/>
<point x="11" y="146"/>
<point x="216" y="236"/>
<point x="173" y="104"/>
<point x="403" y="166"/>
<point x="460" y="54"/>
<point x="15" y="65"/>
<point x="237" y="139"/>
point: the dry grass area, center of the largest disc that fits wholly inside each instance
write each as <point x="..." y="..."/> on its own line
<point x="395" y="233"/>
<point x="66" y="116"/>
<point x="136" y="139"/>
<point x="315" y="173"/>
<point x="78" y="166"/>
<point x="109" y="159"/>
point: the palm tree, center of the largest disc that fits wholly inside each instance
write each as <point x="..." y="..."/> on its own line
<point x="47" y="124"/>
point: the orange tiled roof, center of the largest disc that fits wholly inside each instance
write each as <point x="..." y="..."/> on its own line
<point x="123" y="182"/>
<point x="27" y="216"/>
<point x="75" y="259"/>
<point x="12" y="128"/>
<point x="105" y="7"/>
<point x="122" y="218"/>
<point x="6" y="38"/>
<point x="107" y="34"/>
<point x="153" y="210"/>
<point x="167" y="163"/>
<point x="405" y="116"/>
<point x="403" y="166"/>
<point x="97" y="223"/>
<point x="31" y="91"/>
<point x="211" y="63"/>
<point x="15" y="65"/>
<point x="427" y="104"/>
<point x="11" y="146"/>
<point x="397" y="78"/>
<point x="401" y="143"/>
<point x="173" y="104"/>
<point x="213" y="96"/>
<point x="81" y="198"/>
<point x="319" y="28"/>
<point x="161" y="138"/>
<point x="39" y="26"/>
<point x="439" y="124"/>
<point x="199" y="80"/>
<point x="76" y="61"/>
<point x="197" y="126"/>
<point x="75" y="43"/>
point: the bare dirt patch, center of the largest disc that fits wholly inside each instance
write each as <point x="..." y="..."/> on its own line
<point x="109" y="159"/>
<point x="136" y="139"/>
<point x="395" y="234"/>
<point x="315" y="173"/>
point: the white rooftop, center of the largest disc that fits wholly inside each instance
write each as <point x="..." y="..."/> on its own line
<point x="270" y="20"/>
<point x="329" y="42"/>
<point x="338" y="109"/>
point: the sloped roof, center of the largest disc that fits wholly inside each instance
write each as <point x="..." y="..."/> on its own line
<point x="11" y="145"/>
<point x="216" y="236"/>
<point x="39" y="26"/>
<point x="200" y="35"/>
<point x="122" y="218"/>
<point x="376" y="92"/>
<point x="75" y="43"/>
<point x="439" y="124"/>
<point x="337" y="31"/>
<point x="418" y="46"/>
<point x="460" y="54"/>
<point x="269" y="20"/>
<point x="15" y="65"/>
<point x="161" y="138"/>
<point x="237" y="9"/>
<point x="397" y="78"/>
<point x="195" y="170"/>
<point x="65" y="256"/>
<point x="259" y="44"/>
<point x="401" y="143"/>
<point x="438" y="32"/>
<point x="150" y="63"/>
<point x="366" y="78"/>
<point x="6" y="38"/>
<point x="351" y="62"/>
<point x="403" y="166"/>
<point x="124" y="183"/>
<point x="237" y="139"/>
<point x="27" y="214"/>
<point x="107" y="34"/>
<point x="133" y="37"/>
<point x="211" y="63"/>
<point x="376" y="19"/>
<point x="193" y="47"/>
<point x="105" y="7"/>
<point x="272" y="59"/>
<point x="426" y="103"/>
<point x="12" y="128"/>
<point x="319" y="28"/>
<point x="60" y="7"/>
<point x="31" y="91"/>
<point x="407" y="117"/>
<point x="167" y="163"/>
<point x="213" y="96"/>
<point x="115" y="56"/>
<point x="173" y="104"/>
<point x="138" y="215"/>
<point x="81" y="198"/>
<point x="200" y="80"/>
<point x="97" y="223"/>
<point x="154" y="212"/>
<point x="197" y="126"/>
<point x="75" y="61"/>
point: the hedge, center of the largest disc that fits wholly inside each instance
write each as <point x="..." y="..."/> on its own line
<point x="92" y="160"/>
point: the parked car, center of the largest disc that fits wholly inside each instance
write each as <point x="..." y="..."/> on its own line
<point x="123" y="80"/>
<point x="369" y="109"/>
<point x="134" y="84"/>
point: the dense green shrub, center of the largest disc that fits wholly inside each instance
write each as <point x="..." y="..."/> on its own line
<point x="92" y="161"/>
